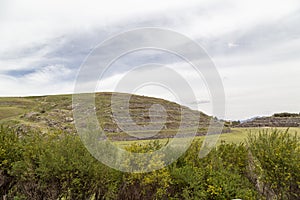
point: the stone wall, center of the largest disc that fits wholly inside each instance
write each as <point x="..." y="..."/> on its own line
<point x="272" y="122"/>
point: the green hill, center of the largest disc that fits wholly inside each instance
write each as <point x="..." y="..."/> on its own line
<point x="46" y="113"/>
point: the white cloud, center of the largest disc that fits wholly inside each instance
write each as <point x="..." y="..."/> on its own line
<point x="261" y="89"/>
<point x="221" y="17"/>
<point x="49" y="39"/>
<point x="232" y="45"/>
<point x="166" y="85"/>
<point x="48" y="80"/>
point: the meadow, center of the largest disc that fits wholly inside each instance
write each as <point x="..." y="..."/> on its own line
<point x="236" y="135"/>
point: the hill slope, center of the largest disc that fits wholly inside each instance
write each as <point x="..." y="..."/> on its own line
<point x="276" y="120"/>
<point x="55" y="113"/>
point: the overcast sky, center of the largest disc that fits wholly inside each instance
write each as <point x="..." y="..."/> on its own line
<point x="255" y="46"/>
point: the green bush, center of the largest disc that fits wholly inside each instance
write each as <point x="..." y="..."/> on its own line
<point x="152" y="185"/>
<point x="285" y="114"/>
<point x="56" y="165"/>
<point x="10" y="152"/>
<point x="220" y="175"/>
<point x="53" y="166"/>
<point x="276" y="157"/>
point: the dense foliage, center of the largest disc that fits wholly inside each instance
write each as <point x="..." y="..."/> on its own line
<point x="285" y="114"/>
<point x="57" y="166"/>
<point x="276" y="161"/>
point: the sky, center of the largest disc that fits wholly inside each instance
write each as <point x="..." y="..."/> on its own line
<point x="255" y="46"/>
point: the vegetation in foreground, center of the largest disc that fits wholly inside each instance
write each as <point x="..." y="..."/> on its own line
<point x="57" y="166"/>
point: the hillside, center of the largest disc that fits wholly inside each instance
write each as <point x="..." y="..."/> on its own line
<point x="46" y="113"/>
<point x="276" y="120"/>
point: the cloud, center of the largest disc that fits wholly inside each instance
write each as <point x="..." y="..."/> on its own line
<point x="232" y="45"/>
<point x="53" y="79"/>
<point x="255" y="45"/>
<point x="200" y="102"/>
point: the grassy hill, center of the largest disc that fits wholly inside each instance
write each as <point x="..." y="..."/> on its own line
<point x="46" y="113"/>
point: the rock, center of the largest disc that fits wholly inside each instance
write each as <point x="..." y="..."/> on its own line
<point x="31" y="115"/>
<point x="272" y="122"/>
<point x="69" y="119"/>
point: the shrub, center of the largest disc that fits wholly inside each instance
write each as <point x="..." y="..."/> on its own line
<point x="53" y="166"/>
<point x="285" y="114"/>
<point x="220" y="175"/>
<point x="56" y="165"/>
<point x="277" y="162"/>
<point x="152" y="185"/>
<point x="10" y="152"/>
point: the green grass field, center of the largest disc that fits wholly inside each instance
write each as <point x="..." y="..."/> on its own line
<point x="237" y="135"/>
<point x="7" y="112"/>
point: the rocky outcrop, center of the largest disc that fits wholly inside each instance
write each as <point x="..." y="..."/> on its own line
<point x="272" y="122"/>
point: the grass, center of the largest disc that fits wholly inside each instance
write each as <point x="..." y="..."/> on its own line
<point x="237" y="135"/>
<point x="53" y="111"/>
<point x="7" y="112"/>
<point x="11" y="108"/>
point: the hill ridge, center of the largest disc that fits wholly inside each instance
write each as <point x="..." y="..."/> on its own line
<point x="54" y="112"/>
<point x="276" y="120"/>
